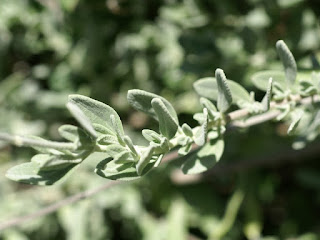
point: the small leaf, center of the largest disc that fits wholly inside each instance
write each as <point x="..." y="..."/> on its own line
<point x="185" y="149"/>
<point x="141" y="100"/>
<point x="158" y="161"/>
<point x="207" y="87"/>
<point x="75" y="134"/>
<point x="125" y="172"/>
<point x="224" y="94"/>
<point x="187" y="130"/>
<point x="118" y="131"/>
<point x="205" y="158"/>
<point x="144" y="159"/>
<point x="97" y="112"/>
<point x="130" y="145"/>
<point x="296" y="117"/>
<point x="151" y="135"/>
<point x="123" y="157"/>
<point x="81" y="118"/>
<point x="30" y="173"/>
<point x="167" y="124"/>
<point x="288" y="61"/>
<point x="200" y="137"/>
<point x="267" y="98"/>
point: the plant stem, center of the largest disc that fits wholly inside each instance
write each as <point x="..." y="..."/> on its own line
<point x="30" y="142"/>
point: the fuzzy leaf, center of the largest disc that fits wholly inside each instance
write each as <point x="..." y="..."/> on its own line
<point x="49" y="162"/>
<point x="224" y="94"/>
<point x="144" y="159"/>
<point x="267" y="98"/>
<point x="30" y="173"/>
<point x="97" y="112"/>
<point x="151" y="135"/>
<point x="141" y="100"/>
<point x="296" y="117"/>
<point x="207" y="87"/>
<point x="167" y="124"/>
<point x="288" y="61"/>
<point x="204" y="158"/>
<point x="82" y="119"/>
<point x="261" y="79"/>
<point x="200" y="137"/>
<point x="75" y="134"/>
<point x="125" y="172"/>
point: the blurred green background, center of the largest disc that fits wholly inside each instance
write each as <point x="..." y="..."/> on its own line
<point x="52" y="48"/>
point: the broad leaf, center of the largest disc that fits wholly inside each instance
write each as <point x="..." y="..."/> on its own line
<point x="97" y="112"/>
<point x="207" y="87"/>
<point x="125" y="172"/>
<point x="204" y="158"/>
<point x="261" y="79"/>
<point x="167" y="123"/>
<point x="288" y="61"/>
<point x="30" y="173"/>
<point x="141" y="100"/>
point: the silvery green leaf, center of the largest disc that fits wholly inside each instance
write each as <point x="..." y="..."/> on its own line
<point x="267" y="98"/>
<point x="114" y="149"/>
<point x="261" y="79"/>
<point x="288" y="61"/>
<point x="141" y="100"/>
<point x="204" y="158"/>
<point x="200" y="136"/>
<point x="118" y="131"/>
<point x="123" y="157"/>
<point x="285" y="111"/>
<point x="125" y="172"/>
<point x="207" y="87"/>
<point x="224" y="100"/>
<point x="101" y="130"/>
<point x="77" y="113"/>
<point x="158" y="161"/>
<point x="167" y="124"/>
<point x="49" y="162"/>
<point x="296" y="117"/>
<point x="151" y="135"/>
<point x="184" y="150"/>
<point x="199" y="117"/>
<point x="187" y="130"/>
<point x="130" y="145"/>
<point x="30" y="173"/>
<point x="144" y="160"/>
<point x="212" y="110"/>
<point x="97" y="112"/>
<point x="75" y="134"/>
<point x="107" y="140"/>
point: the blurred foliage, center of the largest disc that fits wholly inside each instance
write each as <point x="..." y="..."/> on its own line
<point x="51" y="48"/>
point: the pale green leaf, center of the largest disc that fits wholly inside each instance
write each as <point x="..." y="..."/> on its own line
<point x="49" y="162"/>
<point x="30" y="173"/>
<point x="267" y="98"/>
<point x="288" y="61"/>
<point x="204" y="158"/>
<point x="141" y="100"/>
<point x="261" y="79"/>
<point x="200" y="137"/>
<point x="207" y="87"/>
<point x="125" y="172"/>
<point x="224" y="100"/>
<point x="82" y="119"/>
<point x="167" y="124"/>
<point x="144" y="159"/>
<point x="97" y="112"/>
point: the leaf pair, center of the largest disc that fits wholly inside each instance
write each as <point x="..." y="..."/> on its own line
<point x="157" y="107"/>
